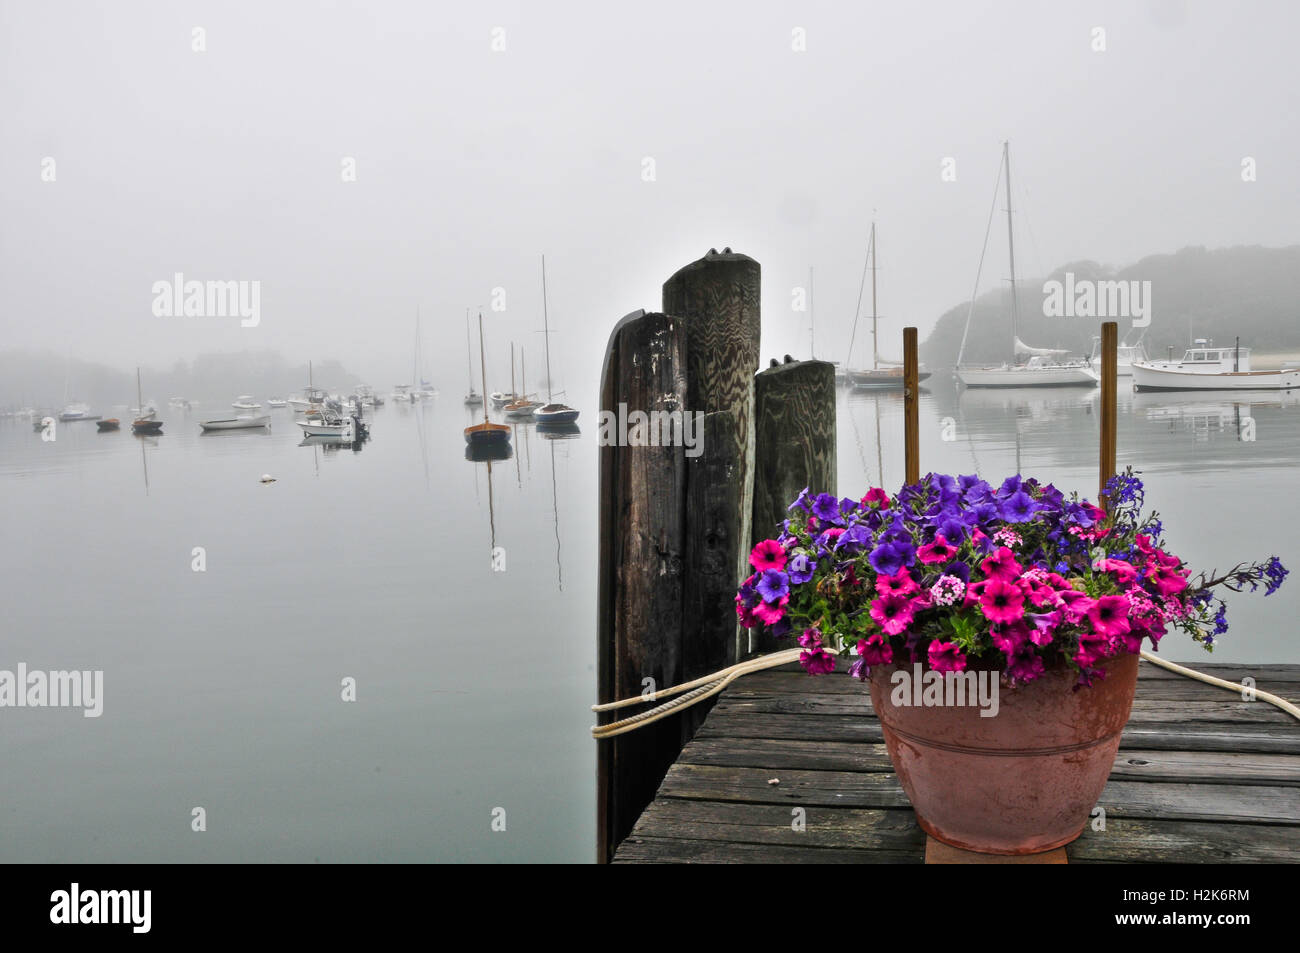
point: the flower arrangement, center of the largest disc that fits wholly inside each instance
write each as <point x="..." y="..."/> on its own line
<point x="955" y="573"/>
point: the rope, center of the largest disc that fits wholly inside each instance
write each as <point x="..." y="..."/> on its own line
<point x="709" y="685"/>
<point x="1272" y="699"/>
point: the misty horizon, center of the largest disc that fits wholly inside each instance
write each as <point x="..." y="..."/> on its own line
<point x="366" y="164"/>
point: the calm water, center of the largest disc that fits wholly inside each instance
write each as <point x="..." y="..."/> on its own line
<point x="222" y="688"/>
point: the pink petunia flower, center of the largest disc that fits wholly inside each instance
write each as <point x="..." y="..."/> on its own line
<point x="946" y="657"/>
<point x="875" y="650"/>
<point x="901" y="583"/>
<point x="769" y="554"/>
<point x="1109" y="616"/>
<point x="1001" y="565"/>
<point x="1002" y="601"/>
<point x="892" y="612"/>
<point x="937" y="552"/>
<point x="876" y="495"/>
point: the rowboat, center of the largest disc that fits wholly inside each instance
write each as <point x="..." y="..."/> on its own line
<point x="109" y="423"/>
<point x="247" y="422"/>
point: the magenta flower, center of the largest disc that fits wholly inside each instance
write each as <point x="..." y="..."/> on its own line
<point x="1074" y="604"/>
<point x="875" y="650"/>
<point x="817" y="662"/>
<point x="901" y="583"/>
<point x="876" y="495"/>
<point x="946" y="657"/>
<point x="1109" y="616"/>
<point x="769" y="554"/>
<point x="1001" y="565"/>
<point x="937" y="552"/>
<point x="771" y="613"/>
<point x="1002" y="601"/>
<point x="892" y="612"/>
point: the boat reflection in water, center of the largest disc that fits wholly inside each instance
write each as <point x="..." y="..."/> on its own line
<point x="556" y="431"/>
<point x="332" y="444"/>
<point x="1205" y="417"/>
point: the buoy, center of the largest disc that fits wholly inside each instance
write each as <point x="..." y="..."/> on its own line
<point x="267" y="478"/>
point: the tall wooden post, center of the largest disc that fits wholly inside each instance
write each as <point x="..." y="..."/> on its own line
<point x="1109" y="373"/>
<point x="911" y="407"/>
<point x="718" y="298"/>
<point x="642" y="544"/>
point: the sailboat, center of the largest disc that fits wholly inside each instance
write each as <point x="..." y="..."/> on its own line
<point x="521" y="407"/>
<point x="551" y="412"/>
<point x="473" y="398"/>
<point x="486" y="434"/>
<point x="423" y="389"/>
<point x="1030" y="366"/>
<point x="311" y="397"/>
<point x="148" y="422"/>
<point x="889" y="377"/>
<point x="499" y="399"/>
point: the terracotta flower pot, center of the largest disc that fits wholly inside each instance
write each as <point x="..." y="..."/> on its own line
<point x="1020" y="782"/>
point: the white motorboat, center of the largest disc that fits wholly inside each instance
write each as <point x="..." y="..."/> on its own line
<point x="499" y="399"/>
<point x="246" y="402"/>
<point x="1029" y="366"/>
<point x="276" y="402"/>
<point x="75" y="412"/>
<point x="1206" y="367"/>
<point x="246" y="422"/>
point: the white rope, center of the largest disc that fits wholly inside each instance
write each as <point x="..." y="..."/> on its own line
<point x="1237" y="687"/>
<point x="709" y="685"/>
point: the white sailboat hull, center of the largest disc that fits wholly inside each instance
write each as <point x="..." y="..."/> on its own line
<point x="1048" y="375"/>
<point x="1147" y="377"/>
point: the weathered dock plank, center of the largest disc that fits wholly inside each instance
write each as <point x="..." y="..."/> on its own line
<point x="792" y="769"/>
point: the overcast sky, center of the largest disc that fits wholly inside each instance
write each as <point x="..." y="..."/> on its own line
<point x="227" y="164"/>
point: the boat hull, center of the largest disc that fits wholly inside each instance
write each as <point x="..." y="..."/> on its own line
<point x="237" y="423"/>
<point x="1148" y="378"/>
<point x="1055" y="375"/>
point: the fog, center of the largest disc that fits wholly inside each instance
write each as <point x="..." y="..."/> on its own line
<point x="230" y="163"/>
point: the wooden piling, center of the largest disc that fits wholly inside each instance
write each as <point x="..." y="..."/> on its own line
<point x="1109" y="375"/>
<point x="794" y="446"/>
<point x="718" y="299"/>
<point x="642" y="543"/>
<point x="911" y="407"/>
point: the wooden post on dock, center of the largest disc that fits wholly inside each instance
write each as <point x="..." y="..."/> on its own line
<point x="911" y="407"/>
<point x="1109" y="373"/>
<point x="642" y="544"/>
<point x="718" y="298"/>
<point x="794" y="447"/>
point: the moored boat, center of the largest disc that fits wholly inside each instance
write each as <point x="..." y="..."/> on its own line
<point x="487" y="434"/>
<point x="107" y="424"/>
<point x="1206" y="367"/>
<point x="246" y="402"/>
<point x="247" y="422"/>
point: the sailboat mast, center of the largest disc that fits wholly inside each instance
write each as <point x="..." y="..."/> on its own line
<point x="483" y="366"/>
<point x="139" y="395"/>
<point x="469" y="354"/>
<point x="514" y="394"/>
<point x="1011" y="252"/>
<point x="546" y="333"/>
<point x="812" y="318"/>
<point x="875" y="347"/>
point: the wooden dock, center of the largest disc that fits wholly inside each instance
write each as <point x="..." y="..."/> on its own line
<point x="1201" y="777"/>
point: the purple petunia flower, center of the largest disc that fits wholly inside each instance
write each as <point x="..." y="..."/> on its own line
<point x="800" y="568"/>
<point x="772" y="585"/>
